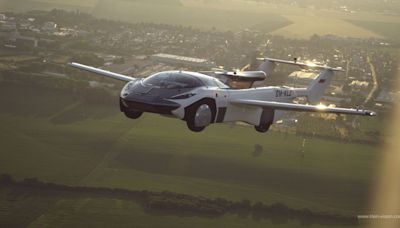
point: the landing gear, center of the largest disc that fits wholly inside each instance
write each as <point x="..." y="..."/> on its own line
<point x="199" y="115"/>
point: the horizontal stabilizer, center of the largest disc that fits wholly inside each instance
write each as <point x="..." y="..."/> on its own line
<point x="303" y="64"/>
<point x="101" y="72"/>
<point x="303" y="108"/>
<point x="244" y="75"/>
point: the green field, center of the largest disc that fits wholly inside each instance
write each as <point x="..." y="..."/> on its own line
<point x="50" y="210"/>
<point x="386" y="29"/>
<point x="136" y="11"/>
<point x="114" y="153"/>
<point x="57" y="137"/>
<point x="28" y="5"/>
<point x="204" y="18"/>
<point x="304" y="27"/>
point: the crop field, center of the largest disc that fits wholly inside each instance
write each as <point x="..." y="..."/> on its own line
<point x="386" y="29"/>
<point x="204" y="18"/>
<point x="28" y="5"/>
<point x="112" y="152"/>
<point x="284" y="20"/>
<point x="85" y="3"/>
<point x="305" y="26"/>
<point x="144" y="11"/>
<point x="58" y="138"/>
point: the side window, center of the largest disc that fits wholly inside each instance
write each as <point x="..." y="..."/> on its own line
<point x="187" y="81"/>
<point x="209" y="82"/>
<point x="220" y="84"/>
<point x="171" y="80"/>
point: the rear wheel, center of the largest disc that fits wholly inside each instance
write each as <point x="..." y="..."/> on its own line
<point x="262" y="128"/>
<point x="199" y="116"/>
<point x="266" y="120"/>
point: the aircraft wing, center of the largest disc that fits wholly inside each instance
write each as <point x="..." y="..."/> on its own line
<point x="302" y="108"/>
<point x="302" y="64"/>
<point x="244" y="75"/>
<point x="101" y="72"/>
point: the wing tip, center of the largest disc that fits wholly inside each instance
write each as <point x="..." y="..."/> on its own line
<point x="370" y="113"/>
<point x="73" y="64"/>
<point x="302" y="64"/>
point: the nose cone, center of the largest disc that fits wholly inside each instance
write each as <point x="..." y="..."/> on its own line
<point x="148" y="99"/>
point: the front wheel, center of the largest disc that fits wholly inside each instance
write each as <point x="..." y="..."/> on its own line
<point x="199" y="116"/>
<point x="133" y="114"/>
<point x="194" y="128"/>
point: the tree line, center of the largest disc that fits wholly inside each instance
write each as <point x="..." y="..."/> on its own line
<point x="183" y="204"/>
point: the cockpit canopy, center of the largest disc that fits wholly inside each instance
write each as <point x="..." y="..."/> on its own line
<point x="172" y="80"/>
<point x="181" y="80"/>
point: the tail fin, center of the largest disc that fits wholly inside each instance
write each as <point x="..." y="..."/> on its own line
<point x="318" y="86"/>
<point x="267" y="67"/>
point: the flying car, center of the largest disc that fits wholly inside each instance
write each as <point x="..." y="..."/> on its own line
<point x="204" y="98"/>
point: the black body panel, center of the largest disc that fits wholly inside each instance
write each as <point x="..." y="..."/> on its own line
<point x="149" y="99"/>
<point x="221" y="114"/>
<point x="160" y="106"/>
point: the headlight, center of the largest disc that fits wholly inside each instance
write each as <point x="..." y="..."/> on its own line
<point x="129" y="86"/>
<point x="183" y="96"/>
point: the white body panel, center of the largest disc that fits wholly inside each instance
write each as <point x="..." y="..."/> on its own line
<point x="248" y="114"/>
<point x="236" y="112"/>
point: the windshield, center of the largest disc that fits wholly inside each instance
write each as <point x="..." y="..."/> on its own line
<point x="172" y="80"/>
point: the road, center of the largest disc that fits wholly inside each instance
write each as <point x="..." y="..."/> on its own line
<point x="374" y="79"/>
<point x="373" y="90"/>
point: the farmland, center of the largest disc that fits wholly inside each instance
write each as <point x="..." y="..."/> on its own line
<point x="65" y="210"/>
<point x="205" y="18"/>
<point x="69" y="141"/>
<point x="386" y="29"/>
<point x="305" y="26"/>
<point x="285" y="20"/>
